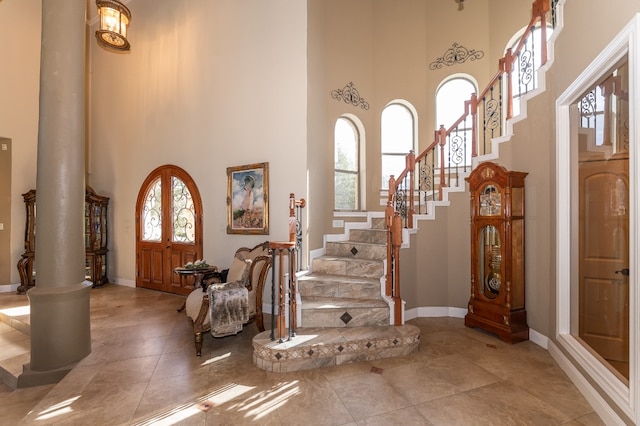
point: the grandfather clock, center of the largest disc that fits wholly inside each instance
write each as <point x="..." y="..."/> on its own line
<point x="497" y="252"/>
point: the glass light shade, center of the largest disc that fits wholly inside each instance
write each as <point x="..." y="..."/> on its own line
<point x="114" y="21"/>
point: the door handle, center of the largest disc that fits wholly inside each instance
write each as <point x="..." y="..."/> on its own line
<point x="624" y="271"/>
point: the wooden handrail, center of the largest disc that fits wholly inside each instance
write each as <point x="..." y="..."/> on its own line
<point x="401" y="197"/>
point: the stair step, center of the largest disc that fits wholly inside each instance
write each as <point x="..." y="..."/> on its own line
<point x="356" y="250"/>
<point x="16" y="352"/>
<point x="336" y="265"/>
<point x="320" y="347"/>
<point x="373" y="236"/>
<point x="343" y="312"/>
<point x="378" y="223"/>
<point x="338" y="286"/>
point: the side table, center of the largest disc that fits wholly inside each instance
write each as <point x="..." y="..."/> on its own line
<point x="198" y="276"/>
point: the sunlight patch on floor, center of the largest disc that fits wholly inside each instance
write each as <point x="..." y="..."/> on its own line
<point x="265" y="403"/>
<point x="59" y="409"/>
<point x="204" y="403"/>
<point x="17" y="311"/>
<point x="217" y="358"/>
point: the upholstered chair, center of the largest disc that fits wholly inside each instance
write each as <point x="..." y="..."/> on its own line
<point x="223" y="308"/>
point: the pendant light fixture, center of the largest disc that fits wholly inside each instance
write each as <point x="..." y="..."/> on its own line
<point x="114" y="22"/>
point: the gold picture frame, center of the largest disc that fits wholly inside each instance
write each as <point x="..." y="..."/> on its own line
<point x="248" y="199"/>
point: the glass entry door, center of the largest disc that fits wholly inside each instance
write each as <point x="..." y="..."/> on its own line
<point x="168" y="229"/>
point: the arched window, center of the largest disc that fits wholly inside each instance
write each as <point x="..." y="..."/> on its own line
<point x="397" y="136"/>
<point x="346" y="164"/>
<point x="450" y="99"/>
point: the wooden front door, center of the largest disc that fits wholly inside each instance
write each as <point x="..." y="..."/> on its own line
<point x="604" y="259"/>
<point x="168" y="229"/>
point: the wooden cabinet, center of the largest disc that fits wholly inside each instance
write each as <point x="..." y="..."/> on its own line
<point x="95" y="240"/>
<point x="497" y="252"/>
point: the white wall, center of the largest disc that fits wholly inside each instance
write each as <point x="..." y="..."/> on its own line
<point x="207" y="85"/>
<point x="20" y="22"/>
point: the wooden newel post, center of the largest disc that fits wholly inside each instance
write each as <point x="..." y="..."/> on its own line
<point x="397" y="242"/>
<point x="282" y="250"/>
<point x="388" y="222"/>
<point x="411" y="166"/>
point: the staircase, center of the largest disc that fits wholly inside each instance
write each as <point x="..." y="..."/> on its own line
<point x="343" y="316"/>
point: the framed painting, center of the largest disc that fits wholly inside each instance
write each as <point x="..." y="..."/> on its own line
<point x="248" y="199"/>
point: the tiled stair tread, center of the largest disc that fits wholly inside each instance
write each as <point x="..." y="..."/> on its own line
<point x="331" y="258"/>
<point x="356" y="243"/>
<point x="15" y="351"/>
<point x="12" y="368"/>
<point x="321" y="336"/>
<point x="337" y="279"/>
<point x="15" y="312"/>
<point x="316" y="347"/>
<point x="315" y="302"/>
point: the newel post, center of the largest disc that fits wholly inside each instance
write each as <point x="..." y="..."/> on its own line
<point x="541" y="8"/>
<point x="506" y="65"/>
<point x="388" y="221"/>
<point x="411" y="166"/>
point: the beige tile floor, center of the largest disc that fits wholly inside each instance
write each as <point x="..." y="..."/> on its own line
<point x="143" y="371"/>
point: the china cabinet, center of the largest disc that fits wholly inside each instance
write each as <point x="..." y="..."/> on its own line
<point x="95" y="240"/>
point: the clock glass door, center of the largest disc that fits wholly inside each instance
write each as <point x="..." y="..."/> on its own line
<point x="490" y="262"/>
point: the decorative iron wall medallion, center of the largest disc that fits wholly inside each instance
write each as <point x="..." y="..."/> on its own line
<point x="350" y="95"/>
<point x="456" y="54"/>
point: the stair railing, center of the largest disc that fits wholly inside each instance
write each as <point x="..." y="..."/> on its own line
<point x="285" y="265"/>
<point x="446" y="160"/>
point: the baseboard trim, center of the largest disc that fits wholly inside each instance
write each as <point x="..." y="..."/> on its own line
<point x="606" y="413"/>
<point x="125" y="283"/>
<point x="9" y="288"/>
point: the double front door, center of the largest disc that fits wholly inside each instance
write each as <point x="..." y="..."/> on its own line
<point x="168" y="229"/>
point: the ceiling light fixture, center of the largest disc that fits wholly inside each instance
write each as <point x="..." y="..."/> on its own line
<point x="114" y="22"/>
<point x="460" y="4"/>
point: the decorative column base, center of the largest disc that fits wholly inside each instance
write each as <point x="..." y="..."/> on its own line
<point x="60" y="332"/>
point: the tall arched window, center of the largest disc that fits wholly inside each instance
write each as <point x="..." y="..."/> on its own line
<point x="346" y="164"/>
<point x="450" y="99"/>
<point x="397" y="137"/>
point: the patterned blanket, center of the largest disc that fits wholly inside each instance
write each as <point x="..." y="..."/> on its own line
<point x="228" y="308"/>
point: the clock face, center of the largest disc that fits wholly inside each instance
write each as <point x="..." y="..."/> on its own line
<point x="490" y="201"/>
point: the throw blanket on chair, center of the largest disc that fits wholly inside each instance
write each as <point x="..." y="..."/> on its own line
<point x="228" y="307"/>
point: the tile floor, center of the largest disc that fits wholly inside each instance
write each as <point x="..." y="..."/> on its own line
<point x="143" y="371"/>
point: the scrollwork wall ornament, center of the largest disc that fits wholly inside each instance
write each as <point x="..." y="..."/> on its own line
<point x="350" y="95"/>
<point x="456" y="54"/>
